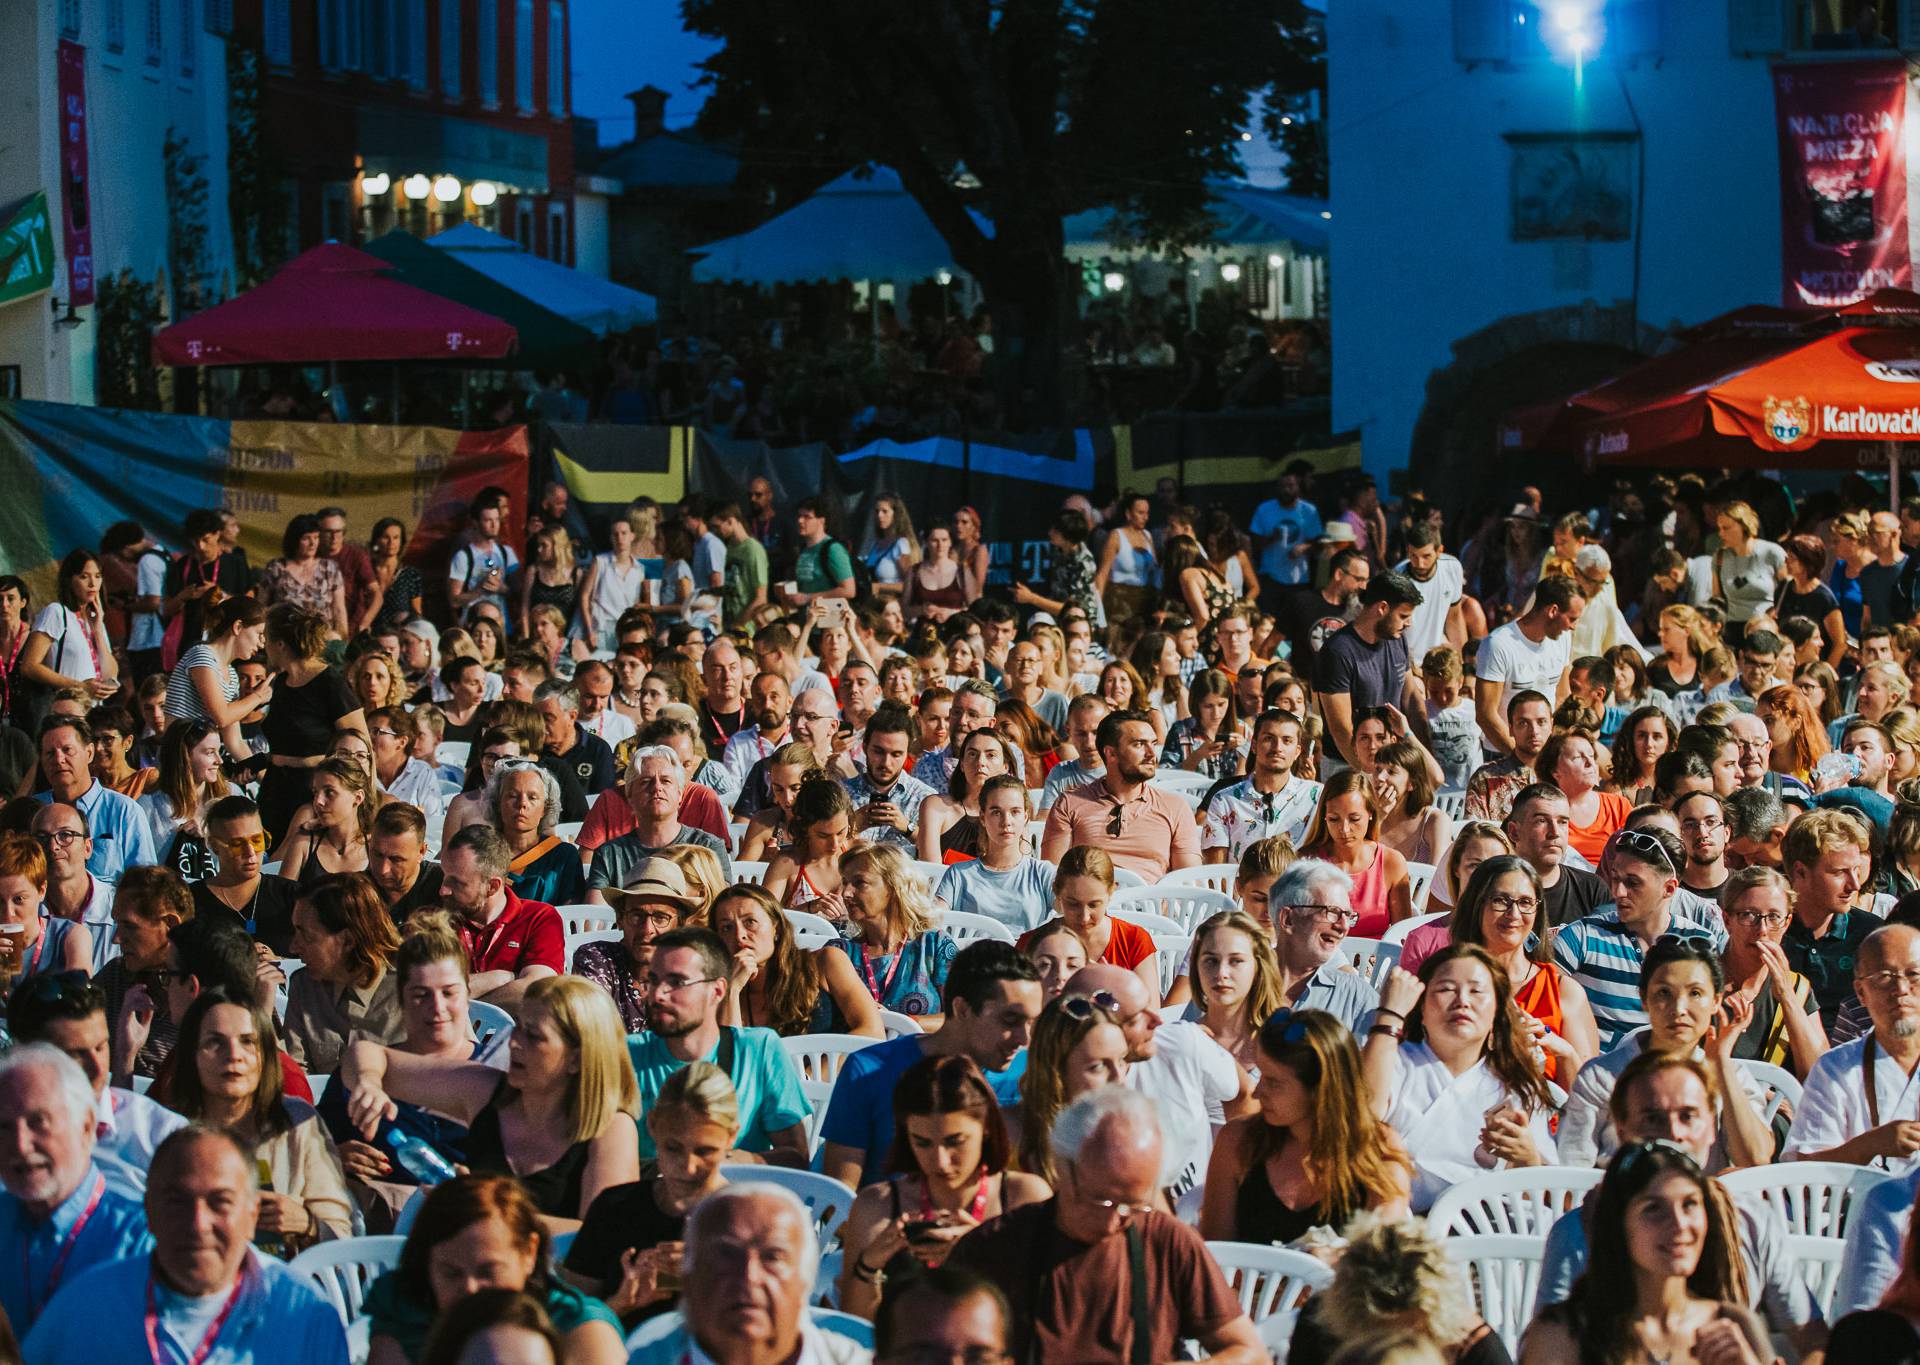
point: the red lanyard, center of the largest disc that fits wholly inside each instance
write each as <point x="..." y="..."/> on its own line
<point x="39" y="951"/>
<point x="212" y="1338"/>
<point x="720" y="731"/>
<point x="978" y="1211"/>
<point x="881" y="988"/>
<point x="66" y="1247"/>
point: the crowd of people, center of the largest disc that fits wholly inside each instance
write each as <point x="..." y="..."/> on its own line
<point x="295" y="857"/>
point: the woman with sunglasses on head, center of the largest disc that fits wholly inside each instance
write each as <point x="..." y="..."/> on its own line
<point x="1445" y="1065"/>
<point x="1345" y="832"/>
<point x="1501" y="912"/>
<point x="1664" y="1281"/>
<point x="1315" y="1154"/>
<point x="1081" y="889"/>
<point x="947" y="1174"/>
<point x="1689" y="1012"/>
<point x="1076" y="1046"/>
<point x="229" y="1075"/>
<point x="777" y="984"/>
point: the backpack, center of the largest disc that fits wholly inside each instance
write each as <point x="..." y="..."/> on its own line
<point x="862" y="575"/>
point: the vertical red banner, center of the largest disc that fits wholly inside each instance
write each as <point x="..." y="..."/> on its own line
<point x="1843" y="180"/>
<point x="76" y="213"/>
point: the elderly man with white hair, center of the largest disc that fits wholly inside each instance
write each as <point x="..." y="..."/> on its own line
<point x="749" y="1268"/>
<point x="57" y="1208"/>
<point x="654" y="788"/>
<point x="1311" y="909"/>
<point x="1602" y="625"/>
<point x="1096" y="1271"/>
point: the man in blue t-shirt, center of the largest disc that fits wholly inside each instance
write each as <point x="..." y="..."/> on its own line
<point x="993" y="995"/>
<point x="686" y="981"/>
<point x="1284" y="529"/>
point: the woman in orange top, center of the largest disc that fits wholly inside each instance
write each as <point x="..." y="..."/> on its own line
<point x="1500" y="911"/>
<point x="1571" y="761"/>
<point x="1081" y="889"/>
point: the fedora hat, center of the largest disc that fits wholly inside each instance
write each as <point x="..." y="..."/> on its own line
<point x="655" y="879"/>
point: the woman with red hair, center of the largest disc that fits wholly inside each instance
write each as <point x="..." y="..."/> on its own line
<point x="1799" y="739"/>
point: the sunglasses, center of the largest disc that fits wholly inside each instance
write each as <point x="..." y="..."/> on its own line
<point x="1116" y="821"/>
<point x="1644" y="847"/>
<point x="1082" y="1006"/>
<point x="256" y="842"/>
<point x="51" y="988"/>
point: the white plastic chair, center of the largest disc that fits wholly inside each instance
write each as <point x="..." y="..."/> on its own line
<point x="1505" y="1271"/>
<point x="487" y="1020"/>
<point x="1155" y="924"/>
<point x="578" y="941"/>
<point x="1370" y="957"/>
<point x="1213" y="876"/>
<point x="453" y="754"/>
<point x="1126" y="876"/>
<point x="1182" y="781"/>
<point x="578" y="919"/>
<point x="963" y="926"/>
<point x="810" y="931"/>
<point x="1523" y="1202"/>
<point x="1813" y="1198"/>
<point x="1782" y="1088"/>
<point x="1452" y="800"/>
<point x="1419" y="882"/>
<point x="736" y="831"/>
<point x="826" y="1198"/>
<point x="1188" y="906"/>
<point x="931" y="873"/>
<point x="899" y="1025"/>
<point x="1272" y="1284"/>
<point x="1818" y="1261"/>
<point x="570" y="830"/>
<point x="747" y="870"/>
<point x="343" y="1271"/>
<point x="271" y="869"/>
<point x="818" y="1056"/>
<point x="1397" y="933"/>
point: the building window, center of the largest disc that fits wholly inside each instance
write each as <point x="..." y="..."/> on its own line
<point x="450" y="48"/>
<point x="486" y="17"/>
<point x="557" y="55"/>
<point x="189" y="37"/>
<point x="116" y="25"/>
<point x="278" y="22"/>
<point x="557" y="233"/>
<point x="523" y="223"/>
<point x="156" y="34"/>
<point x="523" y="55"/>
<point x="70" y="20"/>
<point x="1572" y="186"/>
<point x="341" y="30"/>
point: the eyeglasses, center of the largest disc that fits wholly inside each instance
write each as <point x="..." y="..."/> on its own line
<point x="1706" y="826"/>
<point x="671" y="984"/>
<point x="1507" y="905"/>
<point x="1643" y="846"/>
<point x="1115" y="1207"/>
<point x="1750" y="918"/>
<point x="659" y="919"/>
<point x="1331" y="914"/>
<point x="386" y="734"/>
<point x="256" y="842"/>
<point x="56" y="838"/>
<point x="1888" y="982"/>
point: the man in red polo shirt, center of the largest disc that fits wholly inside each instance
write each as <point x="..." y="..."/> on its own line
<point x="510" y="943"/>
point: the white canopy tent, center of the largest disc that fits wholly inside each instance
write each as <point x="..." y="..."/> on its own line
<point x="601" y="306"/>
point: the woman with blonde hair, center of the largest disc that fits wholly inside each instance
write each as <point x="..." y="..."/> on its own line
<point x="1848" y="543"/>
<point x="630" y="1244"/>
<point x="1345" y="832"/>
<point x="775" y="983"/>
<point x="311" y="703"/>
<point x="1473" y="843"/>
<point x="700" y="865"/>
<point x="561" y="1117"/>
<point x="1260" y="867"/>
<point x="377" y="681"/>
<point x="1315" y="1155"/>
<point x="1235" y="983"/>
<point x="335" y="840"/>
<point x="1081" y="889"/>
<point x="1684" y="642"/>
<point x="1076" y="1046"/>
<point x="1746" y="569"/>
<point x="897" y="950"/>
<point x="614" y="581"/>
<point x="1881" y="687"/>
<point x="1054" y="672"/>
<point x="1398" y="1297"/>
<point x="551" y="579"/>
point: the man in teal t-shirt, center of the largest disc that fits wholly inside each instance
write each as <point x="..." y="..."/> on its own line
<point x="685" y="983"/>
<point x="824" y="568"/>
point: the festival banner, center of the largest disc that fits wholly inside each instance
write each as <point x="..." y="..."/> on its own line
<point x="76" y="215"/>
<point x="73" y="471"/>
<point x="1843" y="180"/>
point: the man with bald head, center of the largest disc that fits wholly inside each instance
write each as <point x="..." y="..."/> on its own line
<point x="1862" y="1100"/>
<point x="1177" y="1065"/>
<point x="1066" y="1265"/>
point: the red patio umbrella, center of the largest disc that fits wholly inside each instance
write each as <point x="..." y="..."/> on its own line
<point x="329" y="304"/>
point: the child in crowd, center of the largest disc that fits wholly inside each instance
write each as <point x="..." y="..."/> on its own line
<point x="150" y="705"/>
<point x="1453" y="731"/>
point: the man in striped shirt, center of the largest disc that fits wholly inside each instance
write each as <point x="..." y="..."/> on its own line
<point x="1604" y="951"/>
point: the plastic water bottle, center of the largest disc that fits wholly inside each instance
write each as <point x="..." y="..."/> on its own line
<point x="422" y="1162"/>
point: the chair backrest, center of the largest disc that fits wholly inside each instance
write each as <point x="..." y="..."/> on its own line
<point x="1155" y="924"/>
<point x="1272" y="1284"/>
<point x="1453" y="801"/>
<point x="453" y="753"/>
<point x="818" y="1055"/>
<point x="810" y="930"/>
<point x="487" y="1020"/>
<point x="1781" y="1088"/>
<point x="569" y="830"/>
<point x="899" y="1025"/>
<point x="1126" y="876"/>
<point x="1370" y="957"/>
<point x="578" y="919"/>
<point x="1182" y="781"/>
<point x="1419" y="882"/>
<point x="1213" y="876"/>
<point x="342" y="1271"/>
<point x="1188" y="906"/>
<point x="963" y="926"/>
<point x="1505" y="1271"/>
<point x="1813" y="1198"/>
<point x="736" y="831"/>
<point x="826" y="1198"/>
<point x="578" y="941"/>
<point x="747" y="870"/>
<point x="1397" y="933"/>
<point x="1818" y="1261"/>
<point x="1522" y="1202"/>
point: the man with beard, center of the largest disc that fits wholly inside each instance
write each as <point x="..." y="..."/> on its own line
<point x="771" y="701"/>
<point x="1494" y="786"/>
<point x="1365" y="664"/>
<point x="1271" y="800"/>
<point x="1537" y="826"/>
<point x="510" y="943"/>
<point x="686" y="980"/>
<point x="1305" y="617"/>
<point x="1144" y="828"/>
<point x="1442" y="582"/>
<point x="397" y="861"/>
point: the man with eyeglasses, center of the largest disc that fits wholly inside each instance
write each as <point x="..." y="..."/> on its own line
<point x="1703" y="831"/>
<point x="653" y="900"/>
<point x="239" y="891"/>
<point x="974" y="705"/>
<point x="1756" y="760"/>
<point x="1785" y="1029"/>
<point x="1311" y="906"/>
<point x="1271" y="800"/>
<point x="1606" y="950"/>
<point x="122" y="835"/>
<point x="1097" y="1273"/>
<point x="401" y="776"/>
<point x="511" y="943"/>
<point x="1861" y="1105"/>
<point x="1145" y="828"/>
<point x="1825" y="855"/>
<point x="355" y="565"/>
<point x="944" y="1316"/>
<point x="684" y="984"/>
<point x="74" y="893"/>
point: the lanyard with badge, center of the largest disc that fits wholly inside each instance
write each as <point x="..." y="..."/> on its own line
<point x="65" y="1250"/>
<point x="211" y="1339"/>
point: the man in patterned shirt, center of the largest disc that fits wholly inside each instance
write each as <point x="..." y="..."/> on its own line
<point x="886" y="798"/>
<point x="1272" y="801"/>
<point x="1491" y="789"/>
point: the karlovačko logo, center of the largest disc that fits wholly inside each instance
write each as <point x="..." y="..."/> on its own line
<point x="1788" y="421"/>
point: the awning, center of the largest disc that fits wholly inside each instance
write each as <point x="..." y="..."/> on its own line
<point x="547" y="340"/>
<point x="599" y="305"/>
<point x="333" y="303"/>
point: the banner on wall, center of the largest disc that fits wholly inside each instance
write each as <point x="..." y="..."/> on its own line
<point x="1843" y="180"/>
<point x="75" y="212"/>
<point x="71" y="472"/>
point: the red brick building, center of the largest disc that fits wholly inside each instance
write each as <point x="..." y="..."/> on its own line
<point x="419" y="114"/>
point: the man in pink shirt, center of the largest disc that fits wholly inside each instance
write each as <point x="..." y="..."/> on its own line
<point x="1145" y="829"/>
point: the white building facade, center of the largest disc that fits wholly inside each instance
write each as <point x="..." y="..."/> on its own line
<point x="1513" y="177"/>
